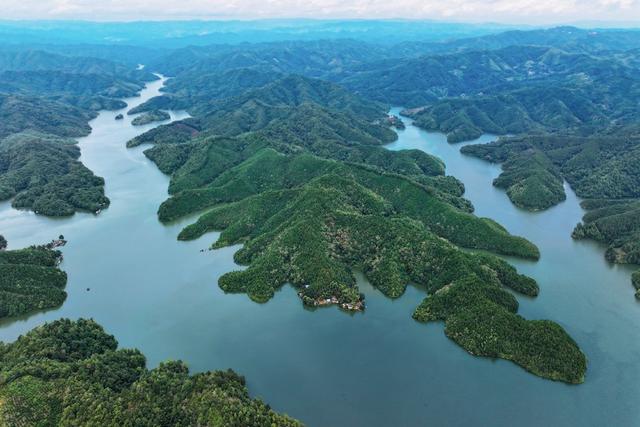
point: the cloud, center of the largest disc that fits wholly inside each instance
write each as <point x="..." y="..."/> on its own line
<point x="520" y="11"/>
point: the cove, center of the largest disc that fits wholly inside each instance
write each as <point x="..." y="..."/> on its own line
<point x="326" y="367"/>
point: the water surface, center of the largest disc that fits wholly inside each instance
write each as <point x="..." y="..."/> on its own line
<point x="326" y="367"/>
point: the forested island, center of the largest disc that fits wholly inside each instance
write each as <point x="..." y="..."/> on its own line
<point x="150" y="117"/>
<point x="73" y="373"/>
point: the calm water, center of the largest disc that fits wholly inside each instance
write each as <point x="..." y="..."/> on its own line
<point x="377" y="368"/>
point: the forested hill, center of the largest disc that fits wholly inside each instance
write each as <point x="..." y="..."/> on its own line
<point x="415" y="82"/>
<point x="597" y="167"/>
<point x="295" y="170"/>
<point x="33" y="59"/>
<point x="311" y="58"/>
<point x="567" y="38"/>
<point x="267" y="91"/>
<point x="73" y="373"/>
<point x="42" y="173"/>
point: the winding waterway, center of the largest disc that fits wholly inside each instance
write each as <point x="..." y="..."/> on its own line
<point x="326" y="367"/>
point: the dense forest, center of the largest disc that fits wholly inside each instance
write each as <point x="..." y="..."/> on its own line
<point x="72" y="373"/>
<point x="596" y="167"/>
<point x="615" y="223"/>
<point x="295" y="170"/>
<point x="150" y="117"/>
<point x="30" y="280"/>
<point x="531" y="179"/>
<point x="635" y="281"/>
<point x="514" y="89"/>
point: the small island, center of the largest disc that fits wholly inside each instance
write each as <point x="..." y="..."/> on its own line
<point x="119" y="117"/>
<point x="150" y="117"/>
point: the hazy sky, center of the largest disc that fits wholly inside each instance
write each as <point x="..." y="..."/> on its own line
<point x="513" y="11"/>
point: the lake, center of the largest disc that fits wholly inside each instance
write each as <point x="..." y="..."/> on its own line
<point x="327" y="367"/>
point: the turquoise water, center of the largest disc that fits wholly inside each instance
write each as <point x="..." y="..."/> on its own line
<point x="326" y="367"/>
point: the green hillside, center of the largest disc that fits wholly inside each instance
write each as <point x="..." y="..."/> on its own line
<point x="30" y="281"/>
<point x="72" y="373"/>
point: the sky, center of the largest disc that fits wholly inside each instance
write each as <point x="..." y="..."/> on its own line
<point x="500" y="11"/>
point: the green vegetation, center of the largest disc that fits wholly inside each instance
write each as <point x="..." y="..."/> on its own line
<point x="532" y="181"/>
<point x="405" y="196"/>
<point x="599" y="166"/>
<point x="150" y="117"/>
<point x="482" y="319"/>
<point x="615" y="223"/>
<point x="30" y="280"/>
<point x="90" y="92"/>
<point x="42" y="172"/>
<point x="603" y="169"/>
<point x="337" y="217"/>
<point x="290" y="115"/>
<point x="194" y="89"/>
<point x="635" y="281"/>
<point x="596" y="166"/>
<point x="72" y="373"/>
<point x="57" y="94"/>
<point x="171" y="133"/>
<point x="3" y="243"/>
<point x="527" y="110"/>
<point x="512" y="89"/>
<point x="20" y="113"/>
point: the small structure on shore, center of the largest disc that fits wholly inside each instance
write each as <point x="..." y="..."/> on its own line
<point x="319" y="302"/>
<point x="395" y="122"/>
<point x="56" y="243"/>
